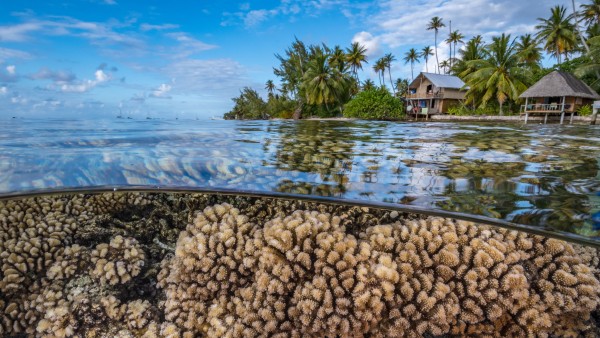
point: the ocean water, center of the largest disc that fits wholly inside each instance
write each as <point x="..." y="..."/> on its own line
<point x="545" y="176"/>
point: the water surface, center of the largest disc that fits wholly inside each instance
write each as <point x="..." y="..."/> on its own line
<point x="542" y="175"/>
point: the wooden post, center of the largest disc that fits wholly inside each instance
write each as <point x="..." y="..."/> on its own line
<point x="526" y="102"/>
<point x="594" y="113"/>
<point x="545" y="118"/>
<point x="563" y="105"/>
<point x="562" y="117"/>
<point x="571" y="120"/>
<point x="526" y="116"/>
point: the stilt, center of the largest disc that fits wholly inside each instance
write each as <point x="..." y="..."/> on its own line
<point x="562" y="117"/>
<point x="571" y="120"/>
<point x="545" y="118"/>
<point x="526" y="116"/>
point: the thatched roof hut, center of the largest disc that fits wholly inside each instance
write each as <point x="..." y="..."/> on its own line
<point x="560" y="84"/>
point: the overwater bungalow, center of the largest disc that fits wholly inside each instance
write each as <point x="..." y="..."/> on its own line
<point x="557" y="93"/>
<point x="430" y="94"/>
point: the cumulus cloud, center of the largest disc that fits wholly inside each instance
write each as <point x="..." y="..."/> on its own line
<point x="370" y="42"/>
<point x="400" y="23"/>
<point x="11" y="69"/>
<point x="161" y="92"/>
<point x="83" y="86"/>
<point x="3" y="90"/>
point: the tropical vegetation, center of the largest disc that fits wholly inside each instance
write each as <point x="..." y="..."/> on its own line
<point x="317" y="80"/>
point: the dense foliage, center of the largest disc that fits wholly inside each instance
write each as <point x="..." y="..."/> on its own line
<point x="376" y="103"/>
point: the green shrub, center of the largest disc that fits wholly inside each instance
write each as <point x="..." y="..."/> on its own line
<point x="489" y="110"/>
<point x="585" y="110"/>
<point x="374" y="104"/>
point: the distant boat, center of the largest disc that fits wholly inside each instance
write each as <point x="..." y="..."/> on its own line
<point x="214" y="118"/>
<point x="120" y="116"/>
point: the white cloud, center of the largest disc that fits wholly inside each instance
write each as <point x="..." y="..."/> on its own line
<point x="400" y="23"/>
<point x="84" y="86"/>
<point x="198" y="76"/>
<point x="11" y="69"/>
<point x="188" y="45"/>
<point x="148" y="27"/>
<point x="161" y="92"/>
<point x="19" y="32"/>
<point x="9" y="54"/>
<point x="3" y="90"/>
<point x="370" y="42"/>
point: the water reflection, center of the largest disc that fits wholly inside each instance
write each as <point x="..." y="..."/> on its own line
<point x="537" y="175"/>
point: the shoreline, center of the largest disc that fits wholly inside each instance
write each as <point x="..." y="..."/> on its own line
<point x="579" y="120"/>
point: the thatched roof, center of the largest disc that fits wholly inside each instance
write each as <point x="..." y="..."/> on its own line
<point x="560" y="84"/>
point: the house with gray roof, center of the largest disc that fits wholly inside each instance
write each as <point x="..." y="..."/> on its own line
<point x="557" y="93"/>
<point x="431" y="93"/>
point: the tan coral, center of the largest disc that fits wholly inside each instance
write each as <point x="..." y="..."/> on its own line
<point x="117" y="262"/>
<point x="211" y="259"/>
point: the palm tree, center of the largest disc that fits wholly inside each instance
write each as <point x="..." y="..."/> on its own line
<point x="338" y="59"/>
<point x="379" y="68"/>
<point x="356" y="55"/>
<point x="425" y="53"/>
<point x="499" y="75"/>
<point x="435" y="24"/>
<point x="411" y="56"/>
<point x="474" y="50"/>
<point x="401" y="87"/>
<point x="389" y="58"/>
<point x="558" y="33"/>
<point x="445" y="65"/>
<point x="270" y="87"/>
<point x="368" y="85"/>
<point x="528" y="50"/>
<point x="591" y="12"/>
<point x="323" y="84"/>
<point x="454" y="38"/>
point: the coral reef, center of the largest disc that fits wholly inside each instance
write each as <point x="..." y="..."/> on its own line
<point x="192" y="265"/>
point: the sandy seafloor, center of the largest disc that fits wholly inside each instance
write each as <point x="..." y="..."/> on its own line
<point x="195" y="265"/>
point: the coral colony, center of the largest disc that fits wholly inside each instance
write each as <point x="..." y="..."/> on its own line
<point x="201" y="265"/>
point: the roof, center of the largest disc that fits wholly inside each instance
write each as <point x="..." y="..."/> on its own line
<point x="560" y="83"/>
<point x="441" y="80"/>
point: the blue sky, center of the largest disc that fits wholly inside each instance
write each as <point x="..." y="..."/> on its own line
<point x="90" y="58"/>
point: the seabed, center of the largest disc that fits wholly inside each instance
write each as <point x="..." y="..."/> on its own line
<point x="139" y="264"/>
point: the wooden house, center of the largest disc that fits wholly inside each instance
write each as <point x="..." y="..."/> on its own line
<point x="557" y="93"/>
<point x="431" y="93"/>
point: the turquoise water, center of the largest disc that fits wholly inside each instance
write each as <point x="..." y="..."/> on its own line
<point x="541" y="175"/>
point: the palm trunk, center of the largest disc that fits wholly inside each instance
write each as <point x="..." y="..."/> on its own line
<point x="426" y="67"/>
<point x="436" y="56"/>
<point x="412" y="75"/>
<point x="501" y="112"/>
<point x="391" y="83"/>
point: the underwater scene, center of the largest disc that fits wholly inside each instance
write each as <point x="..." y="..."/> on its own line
<point x="139" y="264"/>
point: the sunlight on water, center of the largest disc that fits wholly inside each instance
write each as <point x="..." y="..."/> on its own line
<point x="544" y="175"/>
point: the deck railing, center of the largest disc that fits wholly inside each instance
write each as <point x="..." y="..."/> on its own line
<point x="545" y="107"/>
<point x="425" y="96"/>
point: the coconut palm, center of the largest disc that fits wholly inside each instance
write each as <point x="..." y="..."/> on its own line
<point x="338" y="59"/>
<point x="435" y="24"/>
<point x="445" y="65"/>
<point x="558" y="33"/>
<point x="590" y="12"/>
<point x="401" y="87"/>
<point x="454" y="38"/>
<point x="368" y="84"/>
<point x="474" y="50"/>
<point x="411" y="56"/>
<point x="426" y="52"/>
<point x="592" y="67"/>
<point x="322" y="83"/>
<point x="270" y="87"/>
<point x="356" y="55"/>
<point x="528" y="50"/>
<point x="379" y="68"/>
<point x="498" y="76"/>
<point x="389" y="58"/>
